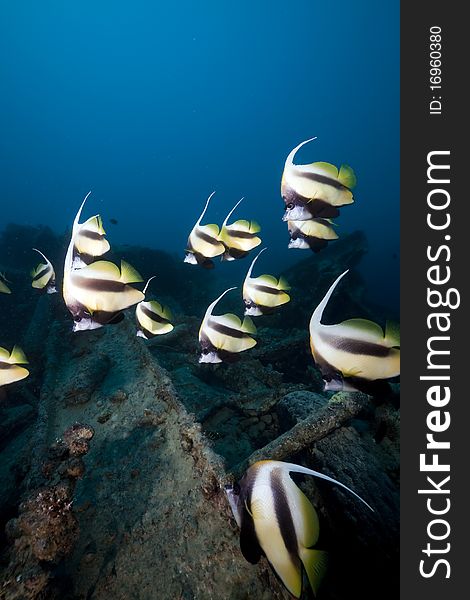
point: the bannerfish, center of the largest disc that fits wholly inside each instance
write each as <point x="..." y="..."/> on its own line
<point x="87" y="240"/>
<point x="90" y="240"/>
<point x="4" y="289"/>
<point x="277" y="519"/>
<point x="44" y="275"/>
<point x="98" y="293"/>
<point x="263" y="294"/>
<point x="355" y="352"/>
<point x="203" y="242"/>
<point x="152" y="318"/>
<point x="315" y="190"/>
<point x="313" y="234"/>
<point x="222" y="337"/>
<point x="10" y="371"/>
<point x="239" y="237"/>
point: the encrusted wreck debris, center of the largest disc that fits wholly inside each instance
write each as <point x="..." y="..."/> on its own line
<point x="143" y="513"/>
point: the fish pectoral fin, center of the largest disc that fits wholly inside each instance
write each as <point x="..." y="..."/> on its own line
<point x="129" y="274"/>
<point x="352" y="372"/>
<point x="315" y="563"/>
<point x="347" y="177"/>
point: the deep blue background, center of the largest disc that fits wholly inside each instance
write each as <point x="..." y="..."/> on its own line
<point x="153" y="105"/>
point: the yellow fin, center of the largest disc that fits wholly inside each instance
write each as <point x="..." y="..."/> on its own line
<point x="102" y="269"/>
<point x="17" y="357"/>
<point x="368" y="330"/>
<point x="4" y="354"/>
<point x="347" y="177"/>
<point x="248" y="326"/>
<point x="129" y="274"/>
<point x="211" y="228"/>
<point x="392" y="334"/>
<point x="283" y="284"/>
<point x="315" y="563"/>
<point x="268" y="280"/>
<point x="327" y="168"/>
<point x="4" y="289"/>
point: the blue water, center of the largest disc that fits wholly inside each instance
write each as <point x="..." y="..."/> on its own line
<point x="154" y="105"/>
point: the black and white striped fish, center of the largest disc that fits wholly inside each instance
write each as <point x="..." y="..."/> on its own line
<point x="10" y="369"/>
<point x="263" y="294"/>
<point x="313" y="234"/>
<point x="222" y="337"/>
<point x="354" y="352"/>
<point x="44" y="275"/>
<point x="203" y="242"/>
<point x="238" y="237"/>
<point x="152" y="318"/>
<point x="277" y="519"/>
<point x="315" y="190"/>
<point x="90" y="240"/>
<point x="96" y="294"/>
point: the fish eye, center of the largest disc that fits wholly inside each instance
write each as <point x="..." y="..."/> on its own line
<point x="205" y="351"/>
<point x="290" y="206"/>
<point x="77" y="319"/>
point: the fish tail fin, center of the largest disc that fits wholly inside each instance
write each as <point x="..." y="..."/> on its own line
<point x="318" y="312"/>
<point x="315" y="563"/>
<point x="129" y="274"/>
<point x="250" y="270"/>
<point x="290" y="158"/>
<point x="204" y="210"/>
<point x="17" y="357"/>
<point x="291" y="467"/>
<point x="230" y="213"/>
<point x="283" y="284"/>
<point x="392" y="334"/>
<point x="248" y="326"/>
<point x="347" y="177"/>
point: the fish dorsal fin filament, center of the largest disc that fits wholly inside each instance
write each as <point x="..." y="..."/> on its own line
<point x="318" y="312"/>
<point x="292" y="468"/>
<point x="291" y="156"/>
<point x="204" y="210"/>
<point x="250" y="270"/>
<point x="224" y="224"/>
<point x="78" y="215"/>
<point x="211" y="306"/>
<point x="48" y="262"/>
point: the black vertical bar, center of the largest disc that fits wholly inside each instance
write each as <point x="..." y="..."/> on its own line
<point x="434" y="121"/>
